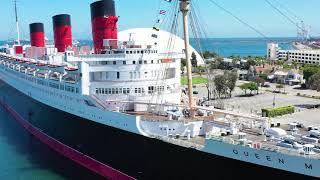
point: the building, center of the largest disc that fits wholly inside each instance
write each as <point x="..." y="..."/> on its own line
<point x="304" y="56"/>
<point x="291" y="77"/>
<point x="273" y="50"/>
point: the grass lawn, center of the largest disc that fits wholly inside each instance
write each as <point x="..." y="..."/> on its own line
<point x="195" y="80"/>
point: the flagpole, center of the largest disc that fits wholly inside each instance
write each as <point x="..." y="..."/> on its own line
<point x="185" y="7"/>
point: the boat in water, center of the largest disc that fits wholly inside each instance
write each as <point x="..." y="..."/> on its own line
<point x="120" y="112"/>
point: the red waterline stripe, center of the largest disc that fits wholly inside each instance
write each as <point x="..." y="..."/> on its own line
<point x="76" y="156"/>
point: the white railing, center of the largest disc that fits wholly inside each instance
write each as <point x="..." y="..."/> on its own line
<point x="180" y="142"/>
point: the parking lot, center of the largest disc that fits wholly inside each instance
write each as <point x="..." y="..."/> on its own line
<point x="252" y="105"/>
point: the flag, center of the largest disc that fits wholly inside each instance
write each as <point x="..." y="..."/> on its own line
<point x="163" y="12"/>
<point x="159" y="21"/>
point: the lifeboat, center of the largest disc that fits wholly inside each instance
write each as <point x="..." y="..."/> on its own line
<point x="56" y="68"/>
<point x="72" y="70"/>
<point x="23" y="61"/>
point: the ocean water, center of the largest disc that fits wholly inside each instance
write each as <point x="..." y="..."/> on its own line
<point x="241" y="46"/>
<point x="22" y="157"/>
<point x="233" y="46"/>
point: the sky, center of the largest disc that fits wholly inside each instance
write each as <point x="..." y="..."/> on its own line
<point x="144" y="13"/>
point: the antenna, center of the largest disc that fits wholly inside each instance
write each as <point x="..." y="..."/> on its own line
<point x="17" y="22"/>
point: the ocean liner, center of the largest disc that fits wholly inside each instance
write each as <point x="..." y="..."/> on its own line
<point x="120" y="111"/>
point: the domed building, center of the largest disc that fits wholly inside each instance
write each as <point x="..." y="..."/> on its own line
<point x="149" y="36"/>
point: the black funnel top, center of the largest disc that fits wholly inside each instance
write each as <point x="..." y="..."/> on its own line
<point x="103" y="8"/>
<point x="61" y="20"/>
<point x="36" y="27"/>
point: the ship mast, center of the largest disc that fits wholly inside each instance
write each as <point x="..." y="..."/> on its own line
<point x="184" y="8"/>
<point x="17" y="22"/>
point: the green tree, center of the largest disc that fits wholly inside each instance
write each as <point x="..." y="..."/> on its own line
<point x="252" y="86"/>
<point x="309" y="71"/>
<point x="244" y="88"/>
<point x="220" y="84"/>
<point x="183" y="64"/>
<point x="314" y="82"/>
<point x="250" y="63"/>
<point x="280" y="62"/>
<point x="263" y="76"/>
<point x="209" y="55"/>
<point x="231" y="80"/>
<point x="194" y="61"/>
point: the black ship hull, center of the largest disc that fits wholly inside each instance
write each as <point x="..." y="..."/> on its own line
<point x="132" y="154"/>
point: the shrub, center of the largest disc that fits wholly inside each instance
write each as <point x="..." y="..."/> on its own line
<point x="279" y="111"/>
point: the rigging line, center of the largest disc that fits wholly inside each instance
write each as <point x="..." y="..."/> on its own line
<point x="284" y="15"/>
<point x="160" y="76"/>
<point x="195" y="30"/>
<point x="288" y="10"/>
<point x="159" y="8"/>
<point x="199" y="18"/>
<point x="240" y="20"/>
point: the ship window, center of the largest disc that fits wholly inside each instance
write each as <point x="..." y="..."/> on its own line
<point x="151" y="61"/>
<point x="118" y="75"/>
<point x="126" y="90"/>
<point x="97" y="91"/>
<point x="151" y="89"/>
<point x="113" y="91"/>
<point x="145" y="62"/>
<point x="110" y="91"/>
<point x="124" y="62"/>
<point x="114" y="62"/>
<point x="140" y="62"/>
<point x="141" y="52"/>
<point x="135" y="75"/>
<point x="133" y="62"/>
<point x="107" y="75"/>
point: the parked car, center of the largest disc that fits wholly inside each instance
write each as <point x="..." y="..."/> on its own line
<point x="266" y="85"/>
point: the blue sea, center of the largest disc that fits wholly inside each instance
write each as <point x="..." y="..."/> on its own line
<point x="24" y="158"/>
<point x="234" y="46"/>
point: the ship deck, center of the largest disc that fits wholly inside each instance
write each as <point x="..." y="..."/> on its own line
<point x="252" y="137"/>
